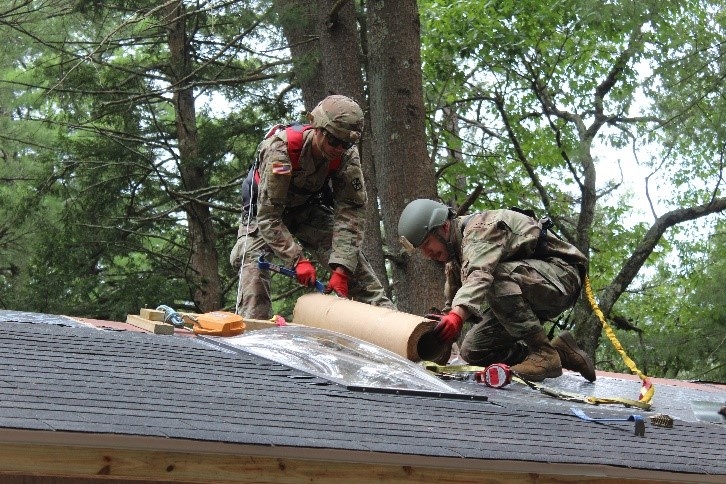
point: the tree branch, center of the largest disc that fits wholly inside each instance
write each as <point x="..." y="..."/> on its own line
<point x="470" y="199"/>
<point x="612" y="78"/>
<point x="641" y="253"/>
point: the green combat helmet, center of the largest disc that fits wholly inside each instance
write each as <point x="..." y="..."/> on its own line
<point x="420" y="217"/>
<point x="340" y="115"/>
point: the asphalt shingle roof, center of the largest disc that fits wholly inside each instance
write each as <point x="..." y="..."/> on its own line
<point x="66" y="377"/>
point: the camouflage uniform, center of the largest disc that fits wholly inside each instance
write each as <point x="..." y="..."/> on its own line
<point x="510" y="281"/>
<point x="290" y="219"/>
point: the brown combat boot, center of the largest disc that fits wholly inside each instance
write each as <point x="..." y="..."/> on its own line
<point x="572" y="357"/>
<point x="541" y="362"/>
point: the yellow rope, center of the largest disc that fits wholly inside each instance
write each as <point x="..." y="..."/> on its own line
<point x="552" y="392"/>
<point x="647" y="390"/>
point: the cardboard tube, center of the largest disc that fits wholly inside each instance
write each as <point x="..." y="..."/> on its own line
<point x="405" y="334"/>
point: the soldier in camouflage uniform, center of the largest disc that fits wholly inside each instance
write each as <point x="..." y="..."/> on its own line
<point x="507" y="274"/>
<point x="289" y="216"/>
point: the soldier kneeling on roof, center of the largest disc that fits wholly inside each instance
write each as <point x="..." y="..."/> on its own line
<point x="508" y="261"/>
<point x="306" y="192"/>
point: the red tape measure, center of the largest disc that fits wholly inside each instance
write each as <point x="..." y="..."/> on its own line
<point x="497" y="375"/>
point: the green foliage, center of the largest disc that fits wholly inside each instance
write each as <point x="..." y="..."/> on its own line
<point x="101" y="83"/>
<point x="705" y="313"/>
<point x="480" y="59"/>
<point x="679" y="312"/>
<point x="94" y="210"/>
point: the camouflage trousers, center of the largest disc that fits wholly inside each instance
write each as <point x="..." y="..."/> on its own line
<point x="523" y="295"/>
<point x="312" y="226"/>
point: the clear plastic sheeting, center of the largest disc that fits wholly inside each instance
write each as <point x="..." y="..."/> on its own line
<point x="338" y="358"/>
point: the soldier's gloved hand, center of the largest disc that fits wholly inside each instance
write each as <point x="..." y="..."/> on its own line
<point x="338" y="283"/>
<point x="449" y="327"/>
<point x="305" y="272"/>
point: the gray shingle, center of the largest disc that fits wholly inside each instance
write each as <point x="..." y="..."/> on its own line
<point x="73" y="378"/>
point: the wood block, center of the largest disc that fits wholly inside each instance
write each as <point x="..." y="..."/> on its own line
<point x="151" y="314"/>
<point x="156" y="315"/>
<point x="151" y="326"/>
<point x="255" y="324"/>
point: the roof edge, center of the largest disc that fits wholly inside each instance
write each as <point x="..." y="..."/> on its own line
<point x="71" y="454"/>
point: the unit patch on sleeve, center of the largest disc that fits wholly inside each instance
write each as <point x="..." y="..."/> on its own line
<point x="357" y="184"/>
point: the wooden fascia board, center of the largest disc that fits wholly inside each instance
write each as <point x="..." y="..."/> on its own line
<point x="81" y="455"/>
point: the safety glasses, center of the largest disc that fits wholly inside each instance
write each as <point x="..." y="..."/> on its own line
<point x="337" y="142"/>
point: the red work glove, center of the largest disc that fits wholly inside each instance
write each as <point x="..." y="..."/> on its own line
<point x="305" y="272"/>
<point x="338" y="283"/>
<point x="449" y="327"/>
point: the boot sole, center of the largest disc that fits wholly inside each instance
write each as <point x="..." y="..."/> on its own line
<point x="569" y="340"/>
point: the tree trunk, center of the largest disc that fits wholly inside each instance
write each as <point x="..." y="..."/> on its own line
<point x="403" y="168"/>
<point x="341" y="54"/>
<point x="203" y="261"/>
<point x="299" y="19"/>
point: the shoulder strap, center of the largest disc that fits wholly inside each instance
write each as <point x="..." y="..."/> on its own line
<point x="294" y="147"/>
<point x="463" y="221"/>
<point x="524" y="211"/>
<point x="294" y="142"/>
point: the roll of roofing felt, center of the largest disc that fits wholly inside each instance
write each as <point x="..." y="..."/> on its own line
<point x="405" y="334"/>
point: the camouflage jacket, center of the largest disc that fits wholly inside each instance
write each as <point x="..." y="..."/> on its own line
<point x="484" y="240"/>
<point x="282" y="189"/>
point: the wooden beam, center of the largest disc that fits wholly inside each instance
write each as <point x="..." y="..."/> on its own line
<point x="43" y="463"/>
<point x="151" y="326"/>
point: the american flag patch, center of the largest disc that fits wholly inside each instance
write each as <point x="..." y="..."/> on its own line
<point x="280" y="168"/>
